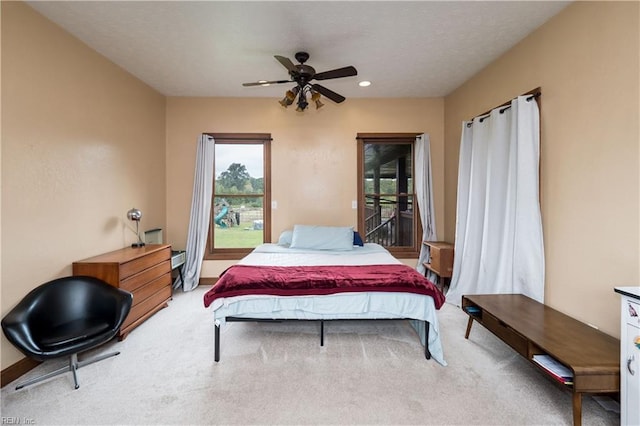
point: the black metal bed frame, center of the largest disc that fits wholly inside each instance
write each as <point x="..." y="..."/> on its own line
<point x="427" y="353"/>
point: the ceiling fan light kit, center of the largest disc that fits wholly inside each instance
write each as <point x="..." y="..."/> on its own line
<point x="289" y="97"/>
<point x="302" y="75"/>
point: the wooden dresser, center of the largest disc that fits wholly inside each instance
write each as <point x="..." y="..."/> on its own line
<point x="143" y="271"/>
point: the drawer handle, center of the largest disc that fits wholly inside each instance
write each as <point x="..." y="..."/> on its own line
<point x="629" y="361"/>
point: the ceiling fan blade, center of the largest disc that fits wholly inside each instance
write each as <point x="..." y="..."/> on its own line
<point x="266" y="83"/>
<point x="337" y="73"/>
<point x="328" y="93"/>
<point x="286" y="62"/>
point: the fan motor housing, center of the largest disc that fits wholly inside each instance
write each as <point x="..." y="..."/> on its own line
<point x="303" y="74"/>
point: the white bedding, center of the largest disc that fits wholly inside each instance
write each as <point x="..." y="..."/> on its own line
<point x="275" y="255"/>
<point x="362" y="305"/>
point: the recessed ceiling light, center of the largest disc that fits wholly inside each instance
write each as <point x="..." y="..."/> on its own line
<point x="364" y="83"/>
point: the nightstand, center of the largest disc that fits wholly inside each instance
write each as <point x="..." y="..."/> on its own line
<point x="440" y="260"/>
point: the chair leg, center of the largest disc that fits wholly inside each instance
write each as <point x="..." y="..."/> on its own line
<point x="73" y="366"/>
<point x="43" y="377"/>
<point x="96" y="359"/>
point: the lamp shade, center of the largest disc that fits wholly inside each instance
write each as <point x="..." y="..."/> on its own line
<point x="134" y="214"/>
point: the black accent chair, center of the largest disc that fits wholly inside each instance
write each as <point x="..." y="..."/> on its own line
<point x="64" y="317"/>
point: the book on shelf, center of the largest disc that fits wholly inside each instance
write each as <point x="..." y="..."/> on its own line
<point x="558" y="371"/>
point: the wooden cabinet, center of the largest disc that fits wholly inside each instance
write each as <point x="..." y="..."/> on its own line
<point x="440" y="258"/>
<point x="440" y="261"/>
<point x="143" y="271"/>
<point x="629" y="355"/>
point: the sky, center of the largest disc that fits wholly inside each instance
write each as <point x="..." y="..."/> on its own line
<point x="248" y="155"/>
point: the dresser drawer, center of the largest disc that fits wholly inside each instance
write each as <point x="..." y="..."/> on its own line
<point x="148" y="290"/>
<point x="138" y="280"/>
<point x="436" y="259"/>
<point x="504" y="332"/>
<point x="137" y="265"/>
<point x="147" y="305"/>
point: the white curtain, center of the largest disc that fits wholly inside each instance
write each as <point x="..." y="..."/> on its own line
<point x="498" y="243"/>
<point x="424" y="195"/>
<point x="200" y="212"/>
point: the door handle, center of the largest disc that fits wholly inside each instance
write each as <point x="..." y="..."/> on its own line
<point x="629" y="361"/>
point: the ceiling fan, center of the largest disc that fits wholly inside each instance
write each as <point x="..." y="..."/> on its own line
<point x="302" y="75"/>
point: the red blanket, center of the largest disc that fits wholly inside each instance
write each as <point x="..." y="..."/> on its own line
<point x="241" y="280"/>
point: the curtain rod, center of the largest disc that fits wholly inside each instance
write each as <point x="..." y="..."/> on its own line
<point x="504" y="106"/>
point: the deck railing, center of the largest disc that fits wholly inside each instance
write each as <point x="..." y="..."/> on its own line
<point x="386" y="226"/>
<point x="385" y="233"/>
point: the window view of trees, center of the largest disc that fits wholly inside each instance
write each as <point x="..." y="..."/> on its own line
<point x="238" y="208"/>
<point x="239" y="198"/>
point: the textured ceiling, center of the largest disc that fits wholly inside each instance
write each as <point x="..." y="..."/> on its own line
<point x="209" y="48"/>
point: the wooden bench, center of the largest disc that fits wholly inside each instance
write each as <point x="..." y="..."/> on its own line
<point x="532" y="328"/>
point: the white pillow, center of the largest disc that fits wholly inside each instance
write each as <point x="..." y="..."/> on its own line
<point x="285" y="238"/>
<point x="322" y="237"/>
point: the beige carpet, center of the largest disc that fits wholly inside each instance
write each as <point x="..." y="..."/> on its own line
<point x="371" y="372"/>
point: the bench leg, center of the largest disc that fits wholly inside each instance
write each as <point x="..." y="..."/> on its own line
<point x="577" y="409"/>
<point x="469" y="324"/>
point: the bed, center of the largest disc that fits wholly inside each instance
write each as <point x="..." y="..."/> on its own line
<point x="323" y="281"/>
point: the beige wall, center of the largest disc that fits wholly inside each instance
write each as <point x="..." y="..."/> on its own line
<point x="82" y="142"/>
<point x="313" y="154"/>
<point x="586" y="61"/>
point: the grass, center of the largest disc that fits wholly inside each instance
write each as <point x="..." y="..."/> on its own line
<point x="242" y="236"/>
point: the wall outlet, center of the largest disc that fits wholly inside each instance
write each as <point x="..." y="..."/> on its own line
<point x="274" y="205"/>
<point x="354" y="204"/>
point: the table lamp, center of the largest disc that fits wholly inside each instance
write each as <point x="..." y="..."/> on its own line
<point x="135" y="215"/>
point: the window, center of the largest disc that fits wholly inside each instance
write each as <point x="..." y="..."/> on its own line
<point x="387" y="209"/>
<point x="241" y="206"/>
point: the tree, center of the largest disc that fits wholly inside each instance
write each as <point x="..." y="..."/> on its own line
<point x="257" y="184"/>
<point x="236" y="176"/>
